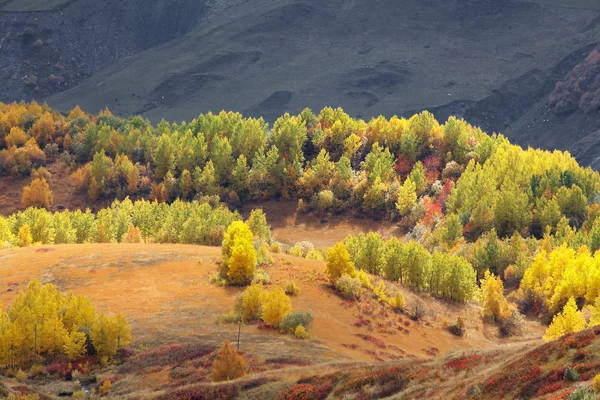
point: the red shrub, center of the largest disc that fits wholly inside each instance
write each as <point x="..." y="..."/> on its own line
<point x="377" y="342"/>
<point x="434" y="210"/>
<point x="301" y="391"/>
<point x="165" y="355"/>
<point x="581" y="89"/>
<point x="203" y="392"/>
<point x="533" y="374"/>
<point x="553" y="387"/>
<point x="362" y="321"/>
<point x="463" y="363"/>
<point x="403" y="166"/>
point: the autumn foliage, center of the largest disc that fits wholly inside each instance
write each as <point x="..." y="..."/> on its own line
<point x="37" y="194"/>
<point x="229" y="364"/>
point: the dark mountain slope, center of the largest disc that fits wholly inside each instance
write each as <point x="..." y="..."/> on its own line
<point x="267" y="57"/>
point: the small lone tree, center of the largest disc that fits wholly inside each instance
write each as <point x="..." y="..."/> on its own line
<point x="491" y="297"/>
<point x="37" y="194"/>
<point x="228" y="365"/>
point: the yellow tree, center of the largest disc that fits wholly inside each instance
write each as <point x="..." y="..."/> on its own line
<point x="595" y="309"/>
<point x="491" y="297"/>
<point x="51" y="336"/>
<point x="133" y="235"/>
<point x="275" y="306"/>
<point x="407" y="197"/>
<point x="37" y="194"/>
<point x="78" y="312"/>
<point x="228" y="365"/>
<point x="121" y="330"/>
<point x="251" y="302"/>
<point x="242" y="263"/>
<point x="24" y="236"/>
<point x="75" y="345"/>
<point x="238" y="254"/>
<point x="103" y="337"/>
<point x="568" y="321"/>
<point x="339" y="262"/>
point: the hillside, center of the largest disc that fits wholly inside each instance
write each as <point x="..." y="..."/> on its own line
<point x="494" y="63"/>
<point x="181" y="307"/>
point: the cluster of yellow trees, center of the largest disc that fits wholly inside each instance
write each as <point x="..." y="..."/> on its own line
<point x="123" y="221"/>
<point x="561" y="281"/>
<point x="43" y="324"/>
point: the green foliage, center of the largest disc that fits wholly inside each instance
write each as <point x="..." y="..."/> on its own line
<point x="257" y="222"/>
<point x="295" y="319"/>
<point x="582" y="392"/>
<point x="571" y="375"/>
<point x="348" y="286"/>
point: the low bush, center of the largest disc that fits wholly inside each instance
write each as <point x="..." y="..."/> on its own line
<point x="571" y="375"/>
<point x="291" y="289"/>
<point x="458" y="328"/>
<point x="261" y="276"/>
<point x="596" y="383"/>
<point x="203" y="392"/>
<point x="418" y="310"/>
<point x="292" y="321"/>
<point x="513" y="325"/>
<point x="399" y="301"/>
<point x="583" y="392"/>
<point x="165" y="355"/>
<point x="349" y="287"/>
<point x="300" y="332"/>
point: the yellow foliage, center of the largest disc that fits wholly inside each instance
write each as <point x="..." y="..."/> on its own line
<point x="24" y="237"/>
<point x="491" y="297"/>
<point x="570" y="320"/>
<point x="300" y="332"/>
<point x="380" y="293"/>
<point x="133" y="235"/>
<point x="37" y="194"/>
<point x="292" y="289"/>
<point x="407" y="197"/>
<point x="238" y="255"/>
<point x="228" y="365"/>
<point x="596" y="383"/>
<point x="251" y="302"/>
<point x="364" y="279"/>
<point x="399" y="301"/>
<point x="17" y="137"/>
<point x="275" y="306"/>
<point x="339" y="262"/>
<point x="75" y="345"/>
<point x="104" y="389"/>
<point x="555" y="277"/>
